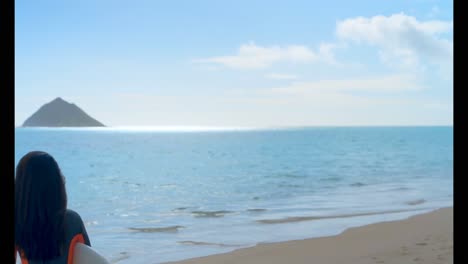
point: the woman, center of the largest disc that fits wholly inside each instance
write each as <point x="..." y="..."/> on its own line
<point x="45" y="230"/>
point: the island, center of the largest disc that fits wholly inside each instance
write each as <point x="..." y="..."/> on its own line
<point x="60" y="113"/>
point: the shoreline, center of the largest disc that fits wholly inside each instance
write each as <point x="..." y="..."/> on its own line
<point x="421" y="238"/>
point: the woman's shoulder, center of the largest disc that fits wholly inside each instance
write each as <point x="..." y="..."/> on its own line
<point x="71" y="213"/>
<point x="72" y="216"/>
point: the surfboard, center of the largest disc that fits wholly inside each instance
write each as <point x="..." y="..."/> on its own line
<point x="86" y="255"/>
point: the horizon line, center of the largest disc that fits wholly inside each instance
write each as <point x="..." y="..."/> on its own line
<point x="196" y="128"/>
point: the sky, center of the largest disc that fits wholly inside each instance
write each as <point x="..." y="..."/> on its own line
<point x="238" y="63"/>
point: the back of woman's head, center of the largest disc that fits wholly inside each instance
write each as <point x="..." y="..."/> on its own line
<point x="40" y="205"/>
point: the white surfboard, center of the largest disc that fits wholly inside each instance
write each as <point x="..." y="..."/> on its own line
<point x="86" y="255"/>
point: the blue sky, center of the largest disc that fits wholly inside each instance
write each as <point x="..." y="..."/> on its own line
<point x="238" y="63"/>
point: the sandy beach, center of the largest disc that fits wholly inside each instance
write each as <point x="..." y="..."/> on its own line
<point x="425" y="238"/>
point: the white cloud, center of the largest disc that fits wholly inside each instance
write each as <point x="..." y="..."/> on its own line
<point x="326" y="53"/>
<point x="281" y="76"/>
<point x="252" y="56"/>
<point x="389" y="83"/>
<point x="403" y="40"/>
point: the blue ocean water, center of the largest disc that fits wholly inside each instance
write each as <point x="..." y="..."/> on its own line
<point x="165" y="195"/>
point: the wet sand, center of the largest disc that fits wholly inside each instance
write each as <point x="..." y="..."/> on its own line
<point x="425" y="238"/>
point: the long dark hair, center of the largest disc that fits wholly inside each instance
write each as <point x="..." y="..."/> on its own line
<point x="40" y="205"/>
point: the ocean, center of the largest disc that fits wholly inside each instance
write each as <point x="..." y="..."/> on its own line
<point x="169" y="194"/>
